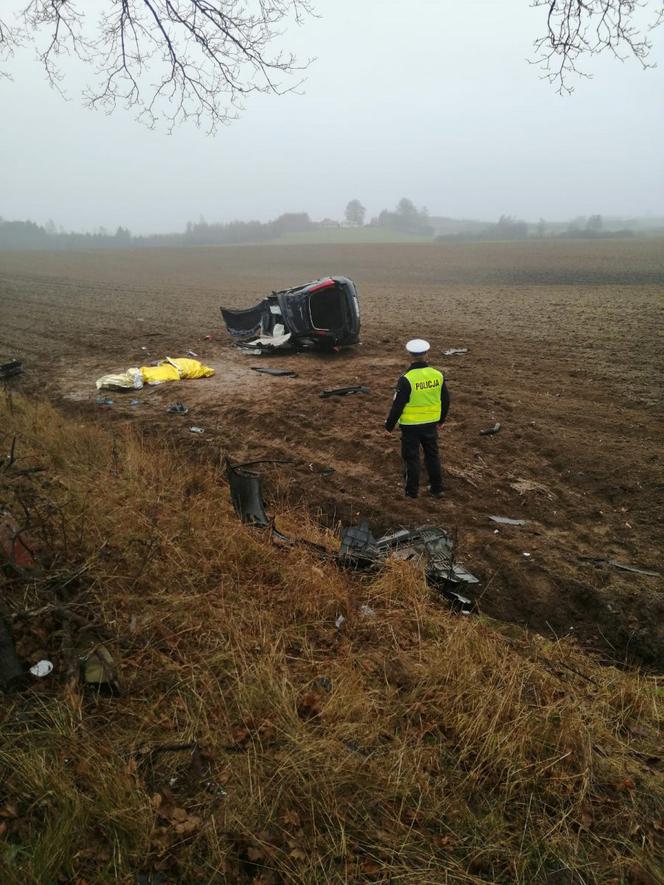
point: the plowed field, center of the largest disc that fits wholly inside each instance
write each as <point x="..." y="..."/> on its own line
<point x="566" y="344"/>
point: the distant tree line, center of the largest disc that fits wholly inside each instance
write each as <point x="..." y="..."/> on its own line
<point x="405" y="218"/>
<point x="21" y="235"/>
<point x="509" y="228"/>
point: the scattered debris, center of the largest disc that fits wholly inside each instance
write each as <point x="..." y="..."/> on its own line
<point x="358" y="546"/>
<point x="41" y="669"/>
<point x="623" y="567"/>
<point x="192" y="353"/>
<point x="360" y="549"/>
<point x="631" y="568"/>
<point x="367" y="612"/>
<point x="505" y="520"/>
<point x="104" y="401"/>
<point x="247" y="494"/>
<point x="177" y="408"/>
<point x="10" y="368"/>
<point x="265" y="370"/>
<point x="344" y="391"/>
<point x="323" y="471"/>
<point x="195" y="429"/>
<point x="322" y="315"/>
<point x="207" y="338"/>
<point x="99" y="670"/>
<point x="451" y="351"/>
<point x="491" y="430"/>
<point x="527" y="555"/>
<point x="339" y="621"/>
<point x="135" y="402"/>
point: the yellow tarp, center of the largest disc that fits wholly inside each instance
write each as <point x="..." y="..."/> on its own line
<point x="191" y="368"/>
<point x="175" y="370"/>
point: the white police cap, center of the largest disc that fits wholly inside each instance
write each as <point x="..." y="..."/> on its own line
<point x="417" y="346"/>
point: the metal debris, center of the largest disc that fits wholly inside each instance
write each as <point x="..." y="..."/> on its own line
<point x="360" y="549"/>
<point x="195" y="429"/>
<point x="631" y="568"/>
<point x="177" y="408"/>
<point x="451" y="351"/>
<point x="344" y="391"/>
<point x="491" y="430"/>
<point x="266" y="370"/>
<point x="10" y="368"/>
<point x="622" y="566"/>
<point x="505" y="520"/>
<point x="247" y="494"/>
<point x="358" y="546"/>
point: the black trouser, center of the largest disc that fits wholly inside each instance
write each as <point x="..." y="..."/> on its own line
<point x="426" y="435"/>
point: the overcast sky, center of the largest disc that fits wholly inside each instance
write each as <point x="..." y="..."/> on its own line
<point x="430" y="99"/>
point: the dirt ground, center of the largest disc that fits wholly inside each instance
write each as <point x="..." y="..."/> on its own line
<point x="566" y="344"/>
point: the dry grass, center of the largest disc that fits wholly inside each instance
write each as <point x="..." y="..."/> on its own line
<point x="414" y="746"/>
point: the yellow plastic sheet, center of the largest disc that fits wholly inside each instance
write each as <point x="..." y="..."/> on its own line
<point x="192" y="368"/>
<point x="175" y="370"/>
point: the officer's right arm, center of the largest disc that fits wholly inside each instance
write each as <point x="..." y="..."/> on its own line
<point x="401" y="397"/>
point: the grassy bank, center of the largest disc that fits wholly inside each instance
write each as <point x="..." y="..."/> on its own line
<point x="253" y="740"/>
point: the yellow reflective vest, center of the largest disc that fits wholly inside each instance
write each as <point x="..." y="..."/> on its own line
<point x="424" y="405"/>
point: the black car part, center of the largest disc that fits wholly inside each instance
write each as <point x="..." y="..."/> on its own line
<point x="10" y="368"/>
<point x="247" y="494"/>
<point x="344" y="391"/>
<point x="359" y="549"/>
<point x="266" y="370"/>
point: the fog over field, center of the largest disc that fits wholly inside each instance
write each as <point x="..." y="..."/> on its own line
<point x="434" y="101"/>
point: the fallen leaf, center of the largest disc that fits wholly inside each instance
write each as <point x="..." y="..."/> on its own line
<point x="626" y="784"/>
<point x="309" y="706"/>
<point x="188" y="826"/>
<point x="291" y="818"/>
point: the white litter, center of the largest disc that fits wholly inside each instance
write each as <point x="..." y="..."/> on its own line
<point x="41" y="669"/>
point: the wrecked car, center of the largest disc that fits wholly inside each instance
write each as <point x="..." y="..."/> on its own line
<point x="323" y="314"/>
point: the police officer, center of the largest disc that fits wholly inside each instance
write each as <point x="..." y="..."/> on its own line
<point x="421" y="403"/>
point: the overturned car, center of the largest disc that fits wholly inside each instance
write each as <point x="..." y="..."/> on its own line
<point x="323" y="314"/>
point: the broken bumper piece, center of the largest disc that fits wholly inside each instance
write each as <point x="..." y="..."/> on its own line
<point x="247" y="495"/>
<point x="360" y="549"/>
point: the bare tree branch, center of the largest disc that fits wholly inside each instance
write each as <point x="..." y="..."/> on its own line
<point x="171" y="60"/>
<point x="580" y="28"/>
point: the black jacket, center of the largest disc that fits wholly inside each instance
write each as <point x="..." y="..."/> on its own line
<point x="402" y="396"/>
